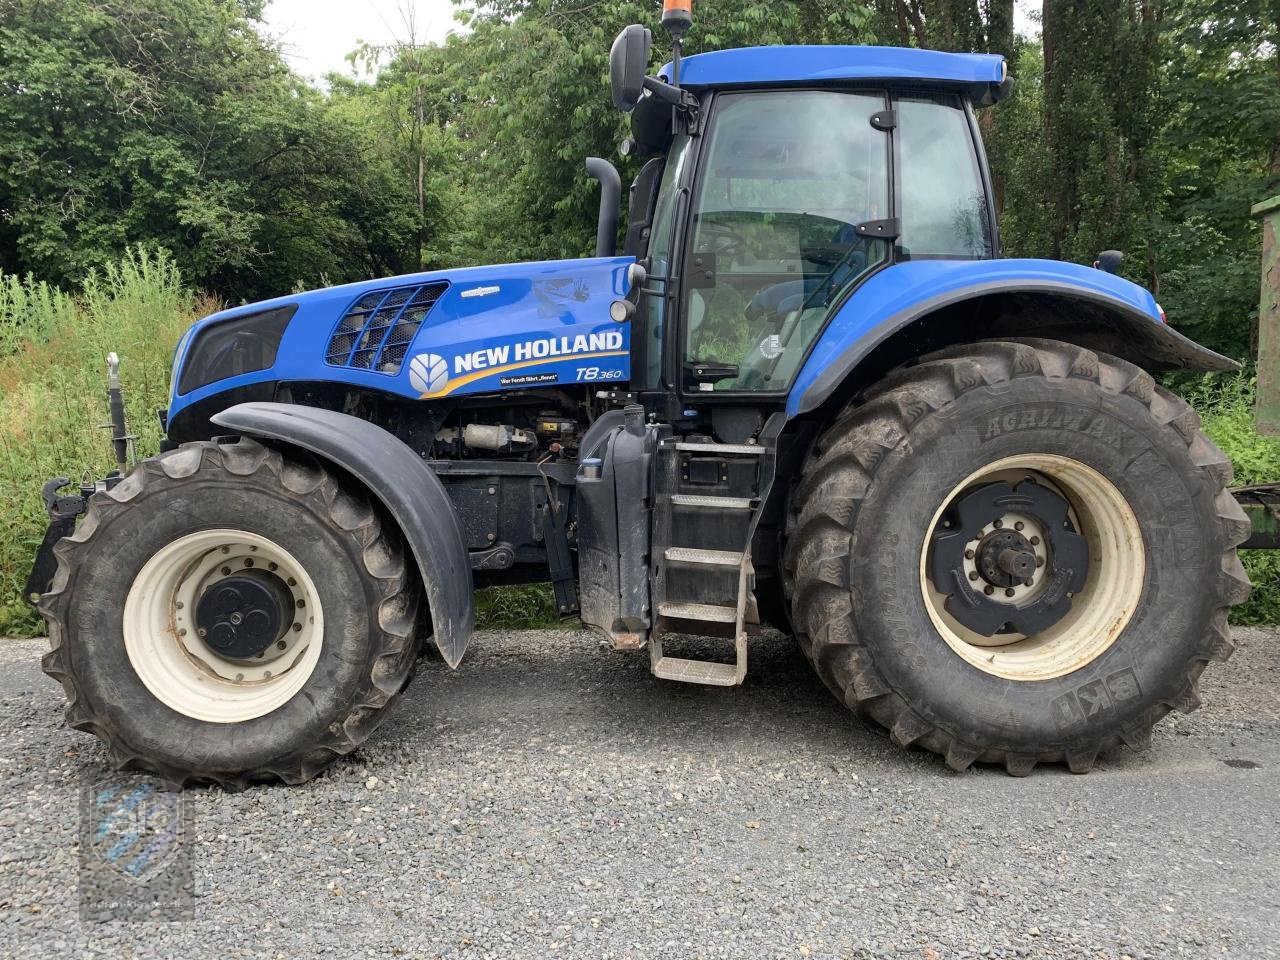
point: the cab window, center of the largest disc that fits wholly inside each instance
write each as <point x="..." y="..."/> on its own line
<point x="944" y="207"/>
<point x="786" y="179"/>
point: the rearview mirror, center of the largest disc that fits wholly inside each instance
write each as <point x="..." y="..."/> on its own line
<point x="628" y="63"/>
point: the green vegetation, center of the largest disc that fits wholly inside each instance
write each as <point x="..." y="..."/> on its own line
<point x="153" y="148"/>
<point x="1226" y="408"/>
<point x="53" y="389"/>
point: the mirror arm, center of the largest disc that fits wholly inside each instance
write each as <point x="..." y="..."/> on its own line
<point x="684" y="101"/>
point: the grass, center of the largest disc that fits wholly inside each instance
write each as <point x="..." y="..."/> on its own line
<point x="53" y="391"/>
<point x="52" y="399"/>
<point x="1225" y="405"/>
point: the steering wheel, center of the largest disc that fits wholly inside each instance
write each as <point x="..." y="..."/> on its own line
<point x="721" y="239"/>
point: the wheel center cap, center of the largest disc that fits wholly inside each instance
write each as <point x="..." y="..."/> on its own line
<point x="240" y="616"/>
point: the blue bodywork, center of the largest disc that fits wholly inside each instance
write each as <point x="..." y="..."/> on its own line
<point x="494" y="328"/>
<point x="916" y="286"/>
<point x="975" y="73"/>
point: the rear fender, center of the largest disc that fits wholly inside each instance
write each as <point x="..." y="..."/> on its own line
<point x="402" y="482"/>
<point x="918" y="306"/>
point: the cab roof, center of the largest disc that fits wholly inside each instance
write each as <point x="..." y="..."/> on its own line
<point x="980" y="76"/>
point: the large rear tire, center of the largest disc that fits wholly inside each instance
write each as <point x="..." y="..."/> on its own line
<point x="898" y="635"/>
<point x="154" y="666"/>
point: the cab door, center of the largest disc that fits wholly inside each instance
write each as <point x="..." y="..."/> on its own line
<point x="790" y="211"/>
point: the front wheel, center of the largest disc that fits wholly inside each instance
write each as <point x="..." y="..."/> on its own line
<point x="1015" y="552"/>
<point x="230" y="614"/>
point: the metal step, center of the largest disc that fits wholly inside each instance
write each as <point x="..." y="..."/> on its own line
<point x="698" y="611"/>
<point x="743" y="449"/>
<point x="710" y="558"/>
<point x="697" y="671"/>
<point x="713" y="503"/>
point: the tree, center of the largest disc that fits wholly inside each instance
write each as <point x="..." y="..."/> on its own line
<point x="173" y="122"/>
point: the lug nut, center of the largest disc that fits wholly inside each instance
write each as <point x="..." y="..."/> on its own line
<point x="292" y="582"/>
<point x="226" y="549"/>
<point x="273" y="565"/>
<point x="1035" y="541"/>
<point x="1039" y="561"/>
<point x="1009" y="591"/>
<point x="301" y="603"/>
<point x="248" y="561"/>
<point x="1029" y="582"/>
<point x="297" y="628"/>
<point x="182" y="632"/>
<point x="280" y="644"/>
<point x="1019" y="525"/>
<point x="988" y="590"/>
<point x="226" y="571"/>
<point x="968" y="554"/>
<point x="178" y="605"/>
<point x="973" y="574"/>
<point x="998" y="524"/>
<point x="202" y="632"/>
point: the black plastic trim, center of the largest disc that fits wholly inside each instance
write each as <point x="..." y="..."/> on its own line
<point x="233" y="341"/>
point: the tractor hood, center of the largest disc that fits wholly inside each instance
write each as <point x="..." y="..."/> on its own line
<point x="426" y="336"/>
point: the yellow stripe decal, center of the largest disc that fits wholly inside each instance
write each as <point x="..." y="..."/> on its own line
<point x="453" y="385"/>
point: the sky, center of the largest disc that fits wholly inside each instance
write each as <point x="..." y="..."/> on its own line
<point x="316" y="35"/>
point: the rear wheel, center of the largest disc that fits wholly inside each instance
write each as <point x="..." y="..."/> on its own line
<point x="1015" y="552"/>
<point x="230" y="614"/>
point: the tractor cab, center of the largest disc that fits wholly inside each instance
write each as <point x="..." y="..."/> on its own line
<point x="779" y="180"/>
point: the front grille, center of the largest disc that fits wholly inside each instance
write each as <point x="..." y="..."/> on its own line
<point x="375" y="332"/>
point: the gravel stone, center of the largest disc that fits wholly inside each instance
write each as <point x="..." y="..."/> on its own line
<point x="551" y="798"/>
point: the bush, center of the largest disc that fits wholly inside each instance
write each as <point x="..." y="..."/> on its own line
<point x="53" y="391"/>
<point x="1225" y="405"/>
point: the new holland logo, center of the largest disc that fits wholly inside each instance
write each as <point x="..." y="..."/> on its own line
<point x="428" y="373"/>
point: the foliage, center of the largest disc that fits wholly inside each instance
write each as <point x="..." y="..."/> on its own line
<point x="1226" y="408"/>
<point x="172" y="122"/>
<point x="527" y="607"/>
<point x="54" y="397"/>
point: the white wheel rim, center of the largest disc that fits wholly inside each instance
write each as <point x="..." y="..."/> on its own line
<point x="1100" y="611"/>
<point x="162" y="642"/>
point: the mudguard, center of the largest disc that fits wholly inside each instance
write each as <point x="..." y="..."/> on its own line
<point x="406" y="486"/>
<point x="1124" y="319"/>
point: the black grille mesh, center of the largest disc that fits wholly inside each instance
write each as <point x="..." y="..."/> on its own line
<point x="375" y="332"/>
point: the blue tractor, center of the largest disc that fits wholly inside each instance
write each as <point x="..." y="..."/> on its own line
<point x="809" y="393"/>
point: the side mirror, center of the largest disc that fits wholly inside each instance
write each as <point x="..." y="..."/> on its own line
<point x="1109" y="261"/>
<point x="628" y="64"/>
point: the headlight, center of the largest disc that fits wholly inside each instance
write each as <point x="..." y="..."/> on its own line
<point x="228" y="348"/>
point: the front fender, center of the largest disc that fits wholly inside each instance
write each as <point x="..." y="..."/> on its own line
<point x="406" y="487"/>
<point x="1123" y="318"/>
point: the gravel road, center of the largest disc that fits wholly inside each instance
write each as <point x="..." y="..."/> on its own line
<point x="551" y="798"/>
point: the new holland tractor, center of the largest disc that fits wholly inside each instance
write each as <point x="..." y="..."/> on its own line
<point x="809" y="393"/>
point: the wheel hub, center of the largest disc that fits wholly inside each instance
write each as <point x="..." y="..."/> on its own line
<point x="1008" y="559"/>
<point x="242" y="615"/>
